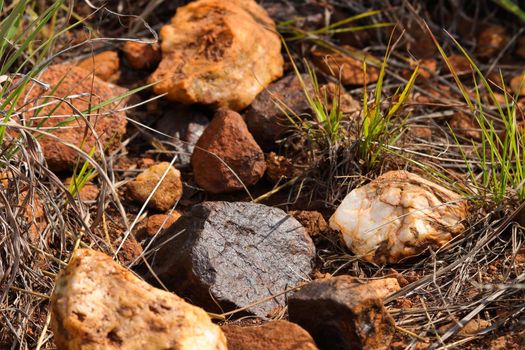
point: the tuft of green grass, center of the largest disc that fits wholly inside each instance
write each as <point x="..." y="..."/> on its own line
<point x="499" y="159"/>
<point x="512" y="7"/>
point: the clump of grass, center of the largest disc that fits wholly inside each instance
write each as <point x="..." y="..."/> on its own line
<point x="499" y="160"/>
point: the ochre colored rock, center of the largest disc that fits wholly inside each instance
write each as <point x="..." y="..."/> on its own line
<point x="97" y="304"/>
<point x="158" y="223"/>
<point x="343" y="66"/>
<point x="398" y="215"/>
<point x="342" y="314"/>
<point x="460" y="64"/>
<point x="280" y="168"/>
<point x="312" y="221"/>
<point x="108" y="124"/>
<point x="220" y="53"/>
<point x="465" y="125"/>
<point x="168" y="192"/>
<point x="491" y="41"/>
<point x="106" y="65"/>
<point x="276" y="335"/>
<point x="517" y="84"/>
<point x="226" y="153"/>
<point x="141" y="55"/>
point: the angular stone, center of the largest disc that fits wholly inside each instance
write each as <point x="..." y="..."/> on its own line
<point x="88" y="91"/>
<point x="184" y="126"/>
<point x="168" y="192"/>
<point x="343" y="66"/>
<point x="398" y="215"/>
<point x="158" y="223"/>
<point x="312" y="221"/>
<point x="220" y="53"/>
<point x="106" y="65"/>
<point x="265" y="117"/>
<point x="342" y="314"/>
<point x="276" y="335"/>
<point x="235" y="254"/>
<point x="97" y="304"/>
<point x="141" y="55"/>
<point x="226" y="153"/>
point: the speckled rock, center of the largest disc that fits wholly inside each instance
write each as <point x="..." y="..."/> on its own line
<point x="220" y="53"/>
<point x="342" y="314"/>
<point x="398" y="215"/>
<point x="109" y="124"/>
<point x="226" y="155"/>
<point x="168" y="192"/>
<point x="234" y="254"/>
<point x="97" y="304"/>
<point x="276" y="335"/>
<point x="106" y="65"/>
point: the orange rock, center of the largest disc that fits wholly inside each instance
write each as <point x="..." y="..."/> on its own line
<point x="348" y="68"/>
<point x="141" y="55"/>
<point x="517" y="84"/>
<point x="97" y="304"/>
<point x="106" y="65"/>
<point x="491" y="41"/>
<point x="108" y="124"/>
<point x="460" y="64"/>
<point x="313" y="221"/>
<point x="158" y="223"/>
<point x="220" y="53"/>
<point x="280" y="168"/>
<point x="464" y="125"/>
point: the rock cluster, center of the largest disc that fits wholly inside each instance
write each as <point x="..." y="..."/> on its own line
<point x="97" y="304"/>
<point x="212" y="44"/>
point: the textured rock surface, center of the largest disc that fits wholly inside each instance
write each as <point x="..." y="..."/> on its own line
<point x="313" y="221"/>
<point x="517" y="84"/>
<point x="227" y="140"/>
<point x="166" y="195"/>
<point x="276" y="335"/>
<point x="265" y="120"/>
<point x="185" y="126"/>
<point x="239" y="253"/>
<point x="465" y="125"/>
<point x="141" y="55"/>
<point x="491" y="41"/>
<point x="220" y="53"/>
<point x="105" y="65"/>
<point x="398" y="215"/>
<point x="341" y="314"/>
<point x="279" y="168"/>
<point x="109" y="126"/>
<point x="348" y="68"/>
<point x="97" y="304"/>
<point x="158" y="223"/>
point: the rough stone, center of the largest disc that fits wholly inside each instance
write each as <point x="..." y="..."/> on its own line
<point x="97" y="304"/>
<point x="235" y="254"/>
<point x="140" y="55"/>
<point x="312" y="221"/>
<point x="184" y="126"/>
<point x="166" y="195"/>
<point x="460" y="64"/>
<point x="398" y="215"/>
<point x="265" y="118"/>
<point x="220" y="53"/>
<point x="279" y="168"/>
<point x="108" y="124"/>
<point x="158" y="223"/>
<point x="342" y="314"/>
<point x="464" y="125"/>
<point x="276" y="335"/>
<point x="226" y="153"/>
<point x="491" y="41"/>
<point x="517" y="84"/>
<point x="343" y="66"/>
<point x="106" y="65"/>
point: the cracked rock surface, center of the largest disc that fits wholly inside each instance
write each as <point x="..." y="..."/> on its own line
<point x="97" y="304"/>
<point x="235" y="254"/>
<point x="212" y="44"/>
<point x="398" y="215"/>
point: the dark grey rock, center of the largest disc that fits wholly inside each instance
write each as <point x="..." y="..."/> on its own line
<point x="342" y="314"/>
<point x="265" y="120"/>
<point x="234" y="254"/>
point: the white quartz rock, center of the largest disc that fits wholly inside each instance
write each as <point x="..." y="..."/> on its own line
<point x="398" y="215"/>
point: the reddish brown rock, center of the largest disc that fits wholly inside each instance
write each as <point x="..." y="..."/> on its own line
<point x="97" y="304"/>
<point x="105" y="65"/>
<point x="141" y="55"/>
<point x="158" y="223"/>
<point x="312" y="221"/>
<point x="517" y="84"/>
<point x="422" y="132"/>
<point x="226" y="153"/>
<point x="343" y="66"/>
<point x="266" y="117"/>
<point x="460" y="64"/>
<point x="276" y="335"/>
<point x="280" y="168"/>
<point x="465" y="125"/>
<point x="220" y="53"/>
<point x="520" y="47"/>
<point x="109" y="125"/>
<point x="491" y="41"/>
<point x="168" y="192"/>
<point x="342" y="314"/>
